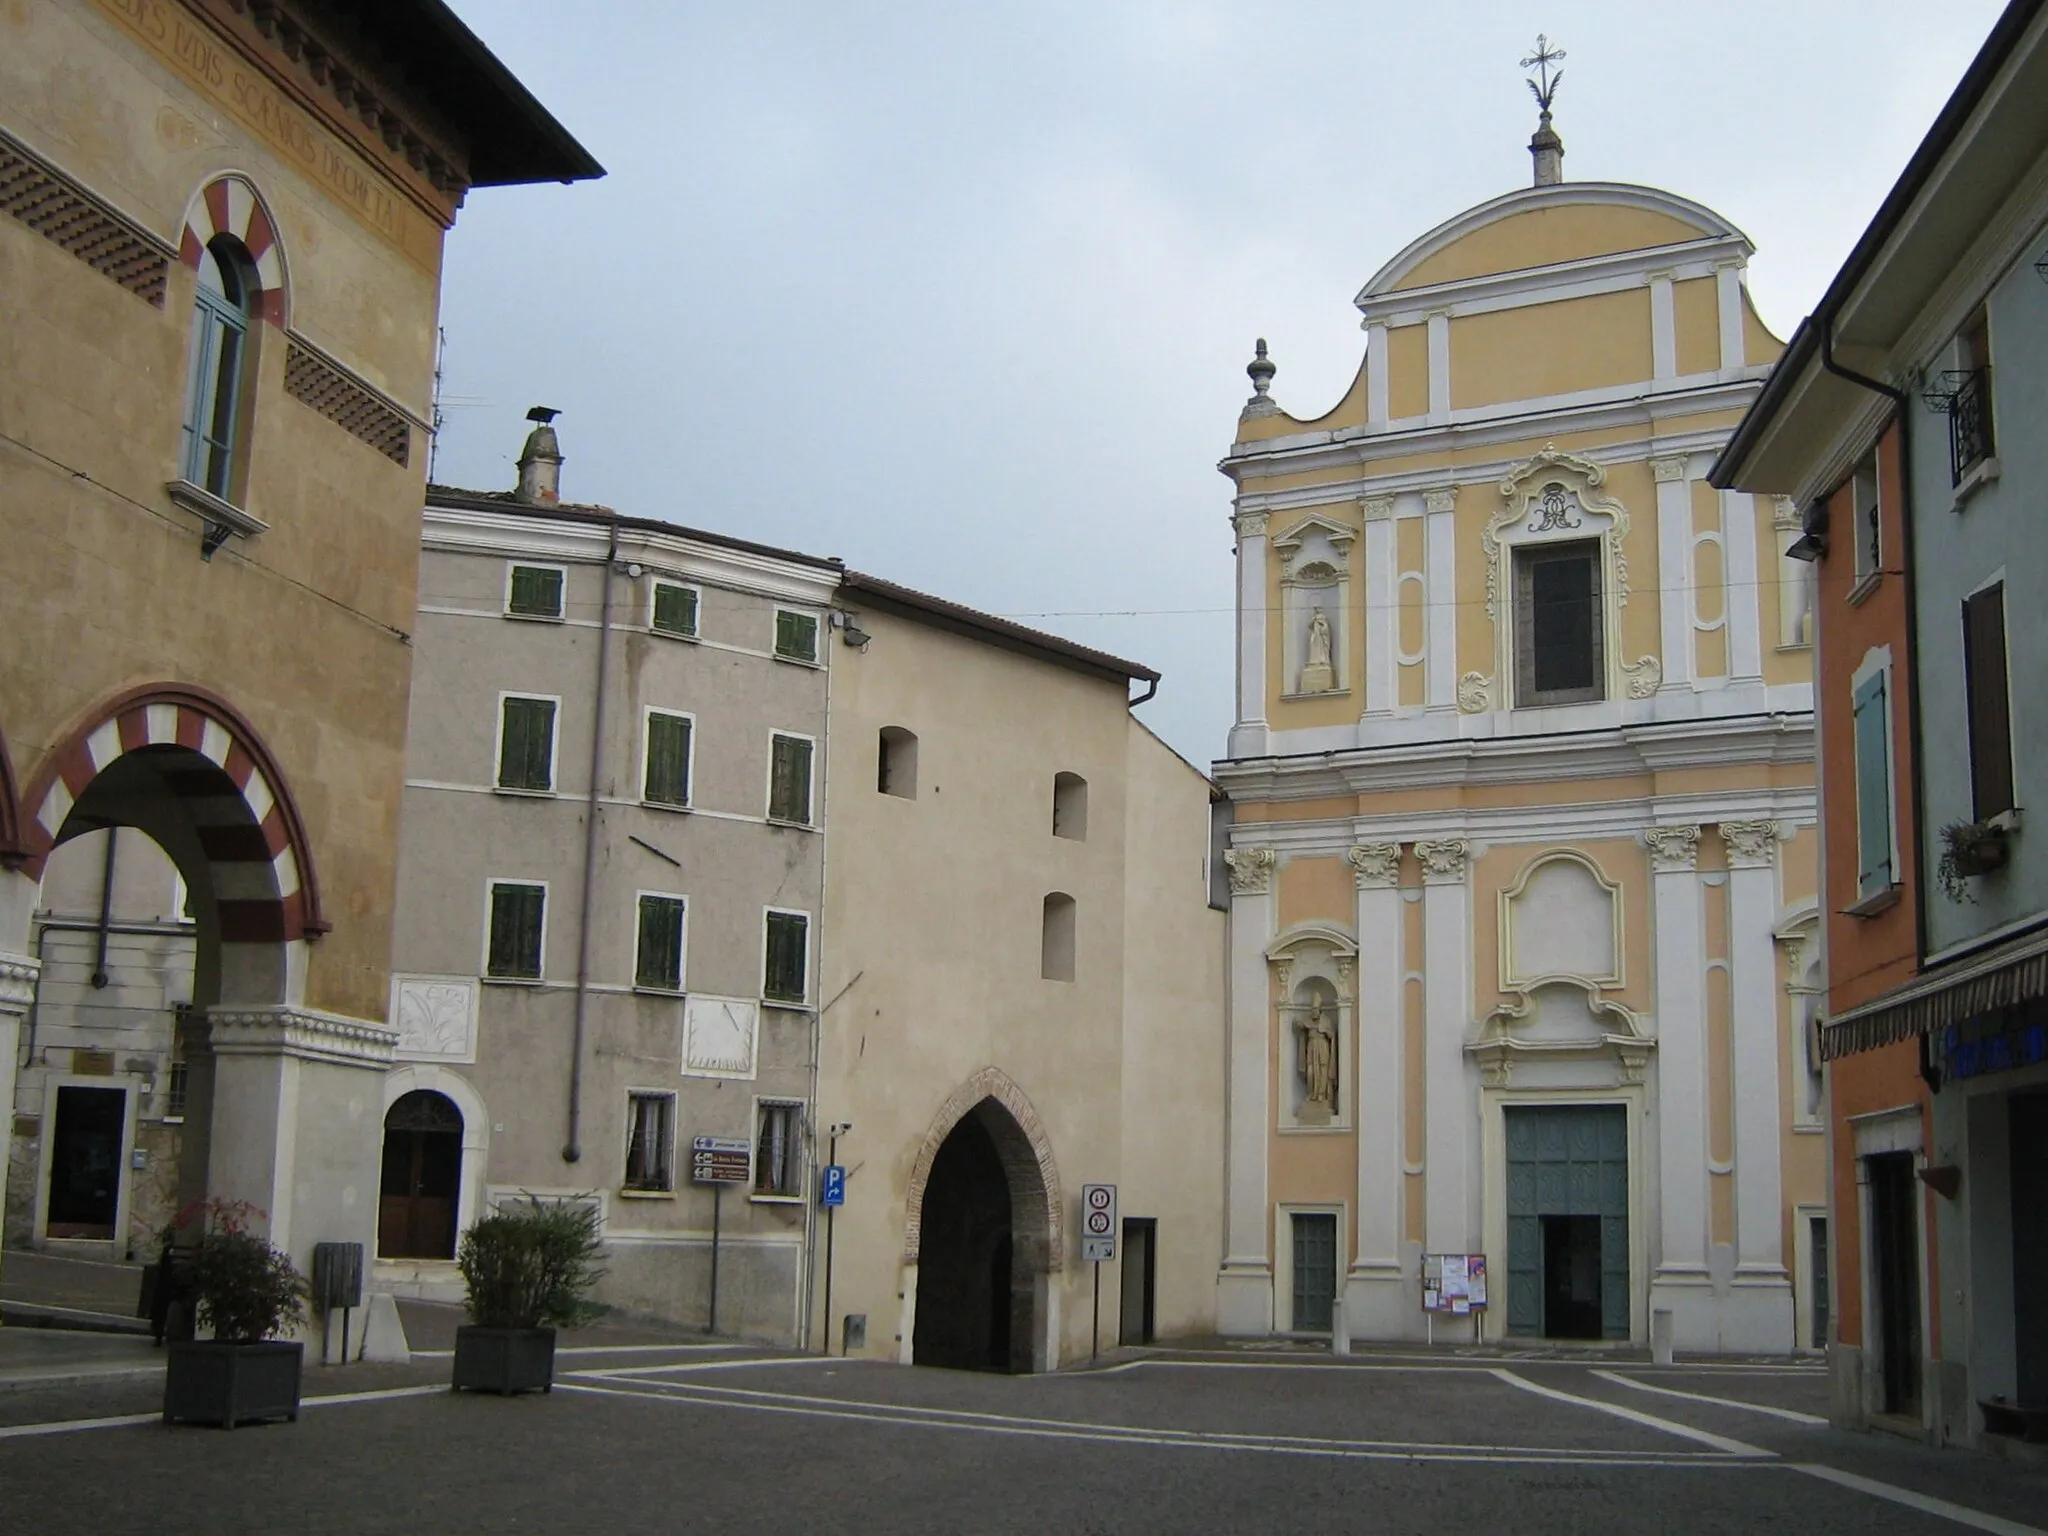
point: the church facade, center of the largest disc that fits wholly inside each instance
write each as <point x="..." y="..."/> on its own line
<point x="1522" y="935"/>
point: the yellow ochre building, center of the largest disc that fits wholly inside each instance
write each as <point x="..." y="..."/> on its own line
<point x="1522" y="932"/>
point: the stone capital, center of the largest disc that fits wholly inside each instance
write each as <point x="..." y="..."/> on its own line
<point x="1251" y="870"/>
<point x="1376" y="865"/>
<point x="1751" y="844"/>
<point x="282" y="1030"/>
<point x="1443" y="860"/>
<point x="1443" y="499"/>
<point x="1251" y="525"/>
<point x="1378" y="508"/>
<point x="1673" y="850"/>
<point x="18" y="982"/>
<point x="1668" y="469"/>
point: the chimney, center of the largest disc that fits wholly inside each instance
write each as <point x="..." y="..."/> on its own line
<point x="540" y="461"/>
<point x="1547" y="149"/>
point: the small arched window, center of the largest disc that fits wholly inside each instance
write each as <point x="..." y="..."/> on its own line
<point x="219" y="366"/>
<point x="1070" y="806"/>
<point x="1056" y="942"/>
<point x="896" y="763"/>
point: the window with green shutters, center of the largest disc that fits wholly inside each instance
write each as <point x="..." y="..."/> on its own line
<point x="658" y="959"/>
<point x="796" y="635"/>
<point x="789" y="779"/>
<point x="518" y="919"/>
<point x="784" y="975"/>
<point x="675" y="608"/>
<point x="1873" y="788"/>
<point x="667" y="779"/>
<point x="526" y="743"/>
<point x="1986" y="689"/>
<point x="535" y="592"/>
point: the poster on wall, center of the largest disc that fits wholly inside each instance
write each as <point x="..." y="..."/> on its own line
<point x="1454" y="1282"/>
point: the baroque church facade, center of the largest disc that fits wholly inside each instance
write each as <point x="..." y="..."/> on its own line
<point x="1523" y="863"/>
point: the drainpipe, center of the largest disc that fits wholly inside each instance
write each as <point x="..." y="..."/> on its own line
<point x="572" y="1148"/>
<point x="99" y="965"/>
<point x="1915" y="792"/>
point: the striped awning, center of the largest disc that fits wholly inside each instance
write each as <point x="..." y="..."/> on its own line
<point x="2002" y="976"/>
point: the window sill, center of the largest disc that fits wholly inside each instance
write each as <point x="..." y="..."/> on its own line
<point x="801" y="661"/>
<point x="1866" y="584"/>
<point x="641" y="989"/>
<point x="665" y="805"/>
<point x="1984" y="472"/>
<point x="758" y="1198"/>
<point x="647" y="1194"/>
<point x="1876" y="902"/>
<point x="2005" y="821"/>
<point x="1320" y="693"/>
<point x="510" y="981"/>
<point x="535" y="618"/>
<point x="216" y="510"/>
<point x="783" y="821"/>
<point x="674" y="634"/>
<point x="786" y="1004"/>
<point x="512" y="792"/>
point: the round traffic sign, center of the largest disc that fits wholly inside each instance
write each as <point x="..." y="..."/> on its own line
<point x="1099" y="1198"/>
<point x="1098" y="1223"/>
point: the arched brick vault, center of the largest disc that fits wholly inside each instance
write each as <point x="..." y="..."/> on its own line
<point x="231" y="787"/>
<point x="230" y="205"/>
<point x="1026" y="1152"/>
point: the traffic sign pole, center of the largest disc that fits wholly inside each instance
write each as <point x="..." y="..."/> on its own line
<point x="1095" y="1328"/>
<point x="717" y="1204"/>
<point x="1098" y="1242"/>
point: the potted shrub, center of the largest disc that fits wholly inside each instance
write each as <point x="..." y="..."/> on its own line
<point x="529" y="1268"/>
<point x="1969" y="849"/>
<point x="245" y="1293"/>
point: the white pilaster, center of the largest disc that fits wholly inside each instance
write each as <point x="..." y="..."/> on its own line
<point x="1244" y="1288"/>
<point x="1728" y="294"/>
<point x="1761" y="1313"/>
<point x="1450" y="1215"/>
<point x="1377" y="1306"/>
<point x="1663" y="328"/>
<point x="1680" y="1283"/>
<point x="1674" y="567"/>
<point x="1439" y="367"/>
<point x="1744" y="608"/>
<point x="1441" y="564"/>
<point x="17" y="994"/>
<point x="1376" y="375"/>
<point x="1248" y="736"/>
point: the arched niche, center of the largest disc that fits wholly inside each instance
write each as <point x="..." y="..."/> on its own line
<point x="1315" y="971"/>
<point x="1560" y="920"/>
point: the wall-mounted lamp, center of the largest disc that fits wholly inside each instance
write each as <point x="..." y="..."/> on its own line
<point x="1946" y="1181"/>
<point x="1812" y="543"/>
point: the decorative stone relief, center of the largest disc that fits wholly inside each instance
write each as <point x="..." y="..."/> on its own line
<point x="1377" y="865"/>
<point x="436" y="1017"/>
<point x="1561" y="1023"/>
<point x="719" y="1037"/>
<point x="1443" y="859"/>
<point x="1251" y="525"/>
<point x="1673" y="849"/>
<point x="1645" y="676"/>
<point x="1378" y="508"/>
<point x="1251" y="870"/>
<point x="1666" y="470"/>
<point x="1475" y="693"/>
<point x="1523" y="503"/>
<point x="1443" y="499"/>
<point x="1785" y="515"/>
<point x="18" y="982"/>
<point x="1751" y="844"/>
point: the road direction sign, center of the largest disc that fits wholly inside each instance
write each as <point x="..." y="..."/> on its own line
<point x="1098" y="1223"/>
<point x="720" y="1159"/>
<point x="832" y="1185"/>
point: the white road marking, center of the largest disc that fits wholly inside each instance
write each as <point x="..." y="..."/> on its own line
<point x="1719" y="1402"/>
<point x="1273" y="1363"/>
<point x="1976" y="1519"/>
<point x="1636" y="1416"/>
<point x="667" y="1368"/>
<point x="129" y="1420"/>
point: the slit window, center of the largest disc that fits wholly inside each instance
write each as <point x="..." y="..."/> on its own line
<point x="1056" y="938"/>
<point x="896" y="763"/>
<point x="778" y="1149"/>
<point x="1070" y="806"/>
<point x="789" y="779"/>
<point x="534" y="591"/>
<point x="1990" y="704"/>
<point x="517" y="931"/>
<point x="658" y="951"/>
<point x="526" y="743"/>
<point x="665" y="779"/>
<point x="650" y="1142"/>
<point x="1558" y="625"/>
<point x="796" y="635"/>
<point x="675" y="609"/>
<point x="785" y="969"/>
<point x="218" y="367"/>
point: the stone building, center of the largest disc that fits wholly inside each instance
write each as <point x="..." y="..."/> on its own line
<point x="222" y="258"/>
<point x="1523" y="862"/>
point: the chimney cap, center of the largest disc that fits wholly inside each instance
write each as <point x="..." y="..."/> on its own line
<point x="542" y="414"/>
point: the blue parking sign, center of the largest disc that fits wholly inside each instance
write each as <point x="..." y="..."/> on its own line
<point x="832" y="1185"/>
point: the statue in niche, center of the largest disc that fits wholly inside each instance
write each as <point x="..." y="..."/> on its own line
<point x="1317" y="675"/>
<point x="1318" y="1066"/>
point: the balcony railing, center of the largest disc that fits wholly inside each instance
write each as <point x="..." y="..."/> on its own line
<point x="1969" y="422"/>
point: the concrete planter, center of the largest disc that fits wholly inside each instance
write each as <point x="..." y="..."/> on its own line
<point x="504" y="1360"/>
<point x="228" y="1384"/>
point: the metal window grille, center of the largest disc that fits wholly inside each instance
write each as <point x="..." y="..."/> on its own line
<point x="1969" y="424"/>
<point x="783" y="978"/>
<point x="659" y="962"/>
<point x="536" y="592"/>
<point x="650" y="1140"/>
<point x="796" y="635"/>
<point x="675" y="609"/>
<point x="526" y="749"/>
<point x="668" y="759"/>
<point x="517" y="913"/>
<point x="778" y="1150"/>
<point x="789" y="788"/>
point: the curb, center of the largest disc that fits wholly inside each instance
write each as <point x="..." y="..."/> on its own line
<point x="54" y="1380"/>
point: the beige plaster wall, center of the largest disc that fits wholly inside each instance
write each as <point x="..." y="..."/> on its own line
<point x="1542" y="237"/>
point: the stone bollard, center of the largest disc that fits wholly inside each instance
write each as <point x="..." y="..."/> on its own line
<point x="1340" y="1335"/>
<point x="1660" y="1336"/>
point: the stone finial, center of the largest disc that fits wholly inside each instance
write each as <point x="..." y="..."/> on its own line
<point x="1261" y="371"/>
<point x="1545" y="147"/>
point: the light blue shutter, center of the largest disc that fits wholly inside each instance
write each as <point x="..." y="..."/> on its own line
<point x="1873" y="789"/>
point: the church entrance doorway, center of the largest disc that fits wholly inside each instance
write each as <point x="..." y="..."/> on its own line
<point x="422" y="1178"/>
<point x="1567" y="1208"/>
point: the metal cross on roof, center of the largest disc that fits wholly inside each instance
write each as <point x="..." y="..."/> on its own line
<point x="1541" y="60"/>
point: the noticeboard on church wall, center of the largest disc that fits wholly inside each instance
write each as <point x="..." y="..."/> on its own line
<point x="1454" y="1283"/>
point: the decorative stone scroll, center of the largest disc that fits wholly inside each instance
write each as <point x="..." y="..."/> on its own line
<point x="1376" y="865"/>
<point x="1673" y="850"/>
<point x="1475" y="693"/>
<point x="1751" y="844"/>
<point x="1443" y="859"/>
<point x="1251" y="525"/>
<point x="1251" y="870"/>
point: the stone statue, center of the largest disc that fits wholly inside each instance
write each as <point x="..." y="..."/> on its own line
<point x="1317" y="675"/>
<point x="1318" y="1066"/>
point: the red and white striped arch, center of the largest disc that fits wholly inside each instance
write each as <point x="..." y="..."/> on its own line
<point x="229" y="205"/>
<point x="230" y="788"/>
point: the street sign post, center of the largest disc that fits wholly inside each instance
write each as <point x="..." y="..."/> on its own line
<point x="1098" y="1244"/>
<point x="719" y="1161"/>
<point x="832" y="1186"/>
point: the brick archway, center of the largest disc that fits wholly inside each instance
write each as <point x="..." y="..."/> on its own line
<point x="231" y="205"/>
<point x="1026" y="1152"/>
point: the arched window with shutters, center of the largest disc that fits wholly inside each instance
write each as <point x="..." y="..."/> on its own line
<point x="219" y="368"/>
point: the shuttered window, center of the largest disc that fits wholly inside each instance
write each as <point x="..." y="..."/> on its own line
<point x="535" y="592"/>
<point x="789" y="779"/>
<point x="675" y="608"/>
<point x="788" y="957"/>
<point x="796" y="635"/>
<point x="1984" y="666"/>
<point x="518" y="912"/>
<point x="1558" y="625"/>
<point x="658" y="957"/>
<point x="667" y="780"/>
<point x="526" y="744"/>
<point x="1873" y="787"/>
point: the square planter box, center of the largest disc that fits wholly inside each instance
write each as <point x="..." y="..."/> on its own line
<point x="504" y="1360"/>
<point x="229" y="1384"/>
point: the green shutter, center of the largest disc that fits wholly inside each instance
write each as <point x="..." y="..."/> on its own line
<point x="675" y="609"/>
<point x="789" y="788"/>
<point x="1873" y="790"/>
<point x="536" y="591"/>
<point x="526" y="750"/>
<point x="783" y="978"/>
<point x="668" y="759"/>
<point x="517" y="912"/>
<point x="796" y="635"/>
<point x="660" y="955"/>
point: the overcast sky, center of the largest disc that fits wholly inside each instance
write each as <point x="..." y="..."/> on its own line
<point x="963" y="293"/>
